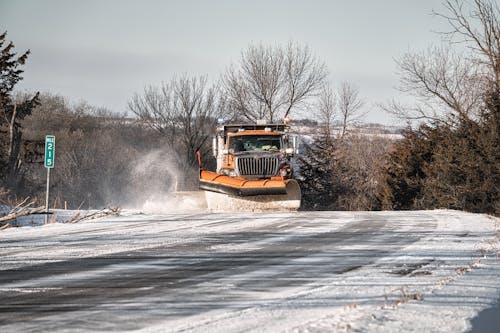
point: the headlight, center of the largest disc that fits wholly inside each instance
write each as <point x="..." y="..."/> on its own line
<point x="286" y="171"/>
<point x="229" y="172"/>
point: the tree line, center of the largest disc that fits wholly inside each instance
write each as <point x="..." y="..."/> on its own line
<point x="453" y="160"/>
<point x="448" y="156"/>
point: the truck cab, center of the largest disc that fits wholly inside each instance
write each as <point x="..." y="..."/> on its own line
<point x="254" y="151"/>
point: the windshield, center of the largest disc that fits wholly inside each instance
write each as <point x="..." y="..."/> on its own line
<point x="254" y="143"/>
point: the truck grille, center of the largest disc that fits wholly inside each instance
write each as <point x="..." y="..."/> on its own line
<point x="257" y="166"/>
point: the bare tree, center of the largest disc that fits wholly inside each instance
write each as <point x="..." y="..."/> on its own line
<point x="184" y="111"/>
<point x="349" y="105"/>
<point x="326" y="110"/>
<point x="479" y="28"/>
<point x="451" y="87"/>
<point x="271" y="82"/>
<point x="446" y="87"/>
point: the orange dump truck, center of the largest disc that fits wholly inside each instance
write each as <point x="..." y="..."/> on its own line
<point x="254" y="170"/>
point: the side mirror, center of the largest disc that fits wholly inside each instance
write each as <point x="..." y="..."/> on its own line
<point x="215" y="149"/>
<point x="290" y="143"/>
<point x="295" y="145"/>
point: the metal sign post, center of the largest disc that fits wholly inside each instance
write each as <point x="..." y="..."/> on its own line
<point x="50" y="149"/>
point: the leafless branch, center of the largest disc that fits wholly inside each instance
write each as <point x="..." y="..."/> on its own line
<point x="326" y="109"/>
<point x="94" y="215"/>
<point x="24" y="212"/>
<point x="271" y="82"/>
<point x="184" y="111"/>
<point x="476" y="23"/>
<point x="349" y="105"/>
<point x="448" y="86"/>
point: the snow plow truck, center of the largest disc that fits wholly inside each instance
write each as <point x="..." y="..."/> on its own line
<point x="254" y="171"/>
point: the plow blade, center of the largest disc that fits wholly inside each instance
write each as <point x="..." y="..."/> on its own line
<point x="225" y="193"/>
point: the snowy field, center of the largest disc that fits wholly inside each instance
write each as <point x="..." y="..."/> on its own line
<point x="429" y="271"/>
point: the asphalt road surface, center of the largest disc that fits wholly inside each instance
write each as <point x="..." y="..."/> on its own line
<point x="300" y="272"/>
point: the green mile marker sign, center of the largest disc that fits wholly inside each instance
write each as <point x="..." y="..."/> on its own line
<point x="50" y="150"/>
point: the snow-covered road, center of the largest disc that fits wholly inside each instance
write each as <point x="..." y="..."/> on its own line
<point x="251" y="272"/>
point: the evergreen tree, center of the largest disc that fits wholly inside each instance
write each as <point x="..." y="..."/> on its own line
<point x="454" y="162"/>
<point x="12" y="113"/>
<point x="443" y="167"/>
<point x="316" y="183"/>
<point x="402" y="177"/>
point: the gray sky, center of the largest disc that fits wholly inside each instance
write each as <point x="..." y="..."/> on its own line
<point x="103" y="51"/>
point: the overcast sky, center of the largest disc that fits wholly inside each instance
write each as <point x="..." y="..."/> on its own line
<point x="103" y="51"/>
